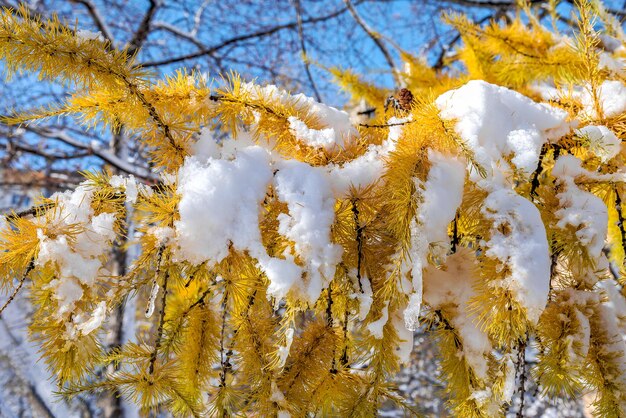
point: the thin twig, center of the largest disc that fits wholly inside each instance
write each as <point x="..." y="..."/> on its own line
<point x="534" y="183"/>
<point x="359" y="243"/>
<point x="157" y="343"/>
<point x="29" y="268"/>
<point x="236" y="39"/>
<point x="386" y="125"/>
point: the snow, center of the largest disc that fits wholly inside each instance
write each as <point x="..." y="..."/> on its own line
<point x="98" y="316"/>
<point x="366" y="169"/>
<point x="403" y="351"/>
<point x="307" y="192"/>
<point x="496" y="122"/>
<point x="602" y="141"/>
<point x="219" y="204"/>
<point x="451" y="288"/>
<point x="77" y="257"/>
<point x="324" y="138"/>
<point x="611" y="96"/>
<point x="440" y="197"/>
<point x="376" y="327"/>
<point x="365" y="299"/>
<point x="283" y="351"/>
<point x="522" y="247"/>
<point x="87" y="35"/>
<point x="339" y="127"/>
<point x="129" y="185"/>
<point x="583" y="211"/>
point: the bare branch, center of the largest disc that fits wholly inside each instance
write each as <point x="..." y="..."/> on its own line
<point x="144" y="28"/>
<point x="305" y="57"/>
<point x="376" y="38"/>
<point x="236" y="39"/>
<point x="104" y="154"/>
<point x="98" y="20"/>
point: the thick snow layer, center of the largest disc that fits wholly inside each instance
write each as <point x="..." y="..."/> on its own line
<point x="308" y="195"/>
<point x="518" y="240"/>
<point x="219" y="205"/>
<point x="580" y="209"/>
<point x="496" y="122"/>
<point x="602" y="141"/>
<point x="452" y="288"/>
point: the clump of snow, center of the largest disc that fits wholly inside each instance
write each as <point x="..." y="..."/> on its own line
<point x="365" y="299"/>
<point x="496" y="122"/>
<point x="440" y="197"/>
<point x="96" y="319"/>
<point x="163" y="234"/>
<point x="308" y="195"/>
<point x="451" y="288"/>
<point x="582" y="210"/>
<point x="368" y="168"/>
<point x="87" y="35"/>
<point x="206" y="146"/>
<point x="324" y="138"/>
<point x="602" y="141"/>
<point x="613" y="64"/>
<point x="405" y="335"/>
<point x="219" y="205"/>
<point x="78" y="257"/>
<point x="611" y="97"/>
<point x="376" y="327"/>
<point x="518" y="240"/>
<point x="129" y="184"/>
<point x="339" y="127"/>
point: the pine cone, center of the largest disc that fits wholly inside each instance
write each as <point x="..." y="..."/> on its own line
<point x="405" y="99"/>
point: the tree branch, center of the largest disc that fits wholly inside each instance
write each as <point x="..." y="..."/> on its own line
<point x="376" y="38"/>
<point x="98" y="20"/>
<point x="307" y="68"/>
<point x="104" y="154"/>
<point x="259" y="34"/>
<point x="144" y="29"/>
